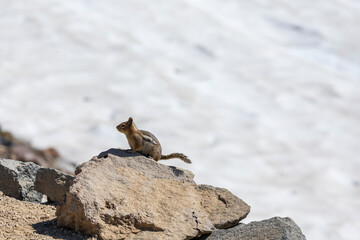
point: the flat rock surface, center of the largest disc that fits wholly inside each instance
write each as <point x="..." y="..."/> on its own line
<point x="124" y="195"/>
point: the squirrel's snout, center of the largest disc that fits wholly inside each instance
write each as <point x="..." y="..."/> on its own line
<point x="120" y="129"/>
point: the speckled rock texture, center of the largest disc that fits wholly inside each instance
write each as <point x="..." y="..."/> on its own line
<point x="53" y="183"/>
<point x="119" y="195"/>
<point x="275" y="228"/>
<point x="17" y="180"/>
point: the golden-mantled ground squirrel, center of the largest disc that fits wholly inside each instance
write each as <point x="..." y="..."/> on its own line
<point x="145" y="142"/>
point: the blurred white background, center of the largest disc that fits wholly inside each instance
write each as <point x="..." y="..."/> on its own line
<point x="263" y="96"/>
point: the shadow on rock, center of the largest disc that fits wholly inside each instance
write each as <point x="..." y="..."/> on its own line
<point x="177" y="172"/>
<point x="50" y="228"/>
<point x="118" y="152"/>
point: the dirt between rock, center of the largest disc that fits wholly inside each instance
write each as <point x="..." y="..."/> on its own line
<point x="32" y="221"/>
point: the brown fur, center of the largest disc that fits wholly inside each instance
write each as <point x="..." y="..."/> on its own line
<point x="145" y="142"/>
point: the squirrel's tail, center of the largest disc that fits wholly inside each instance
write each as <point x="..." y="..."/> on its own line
<point x="176" y="155"/>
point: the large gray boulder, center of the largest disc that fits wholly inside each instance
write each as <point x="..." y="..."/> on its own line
<point x="17" y="180"/>
<point x="53" y="183"/>
<point x="119" y="195"/>
<point x="275" y="228"/>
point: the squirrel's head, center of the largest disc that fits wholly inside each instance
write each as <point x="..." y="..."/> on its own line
<point x="125" y="126"/>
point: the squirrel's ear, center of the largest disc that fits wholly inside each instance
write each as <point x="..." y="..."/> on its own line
<point x="130" y="120"/>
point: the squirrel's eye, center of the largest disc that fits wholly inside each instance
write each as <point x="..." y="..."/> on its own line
<point x="122" y="125"/>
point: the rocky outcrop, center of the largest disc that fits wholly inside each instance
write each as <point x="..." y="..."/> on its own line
<point x="120" y="195"/>
<point x="17" y="180"/>
<point x="28" y="181"/>
<point x="276" y="228"/>
<point x="221" y="206"/>
<point x="53" y="183"/>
